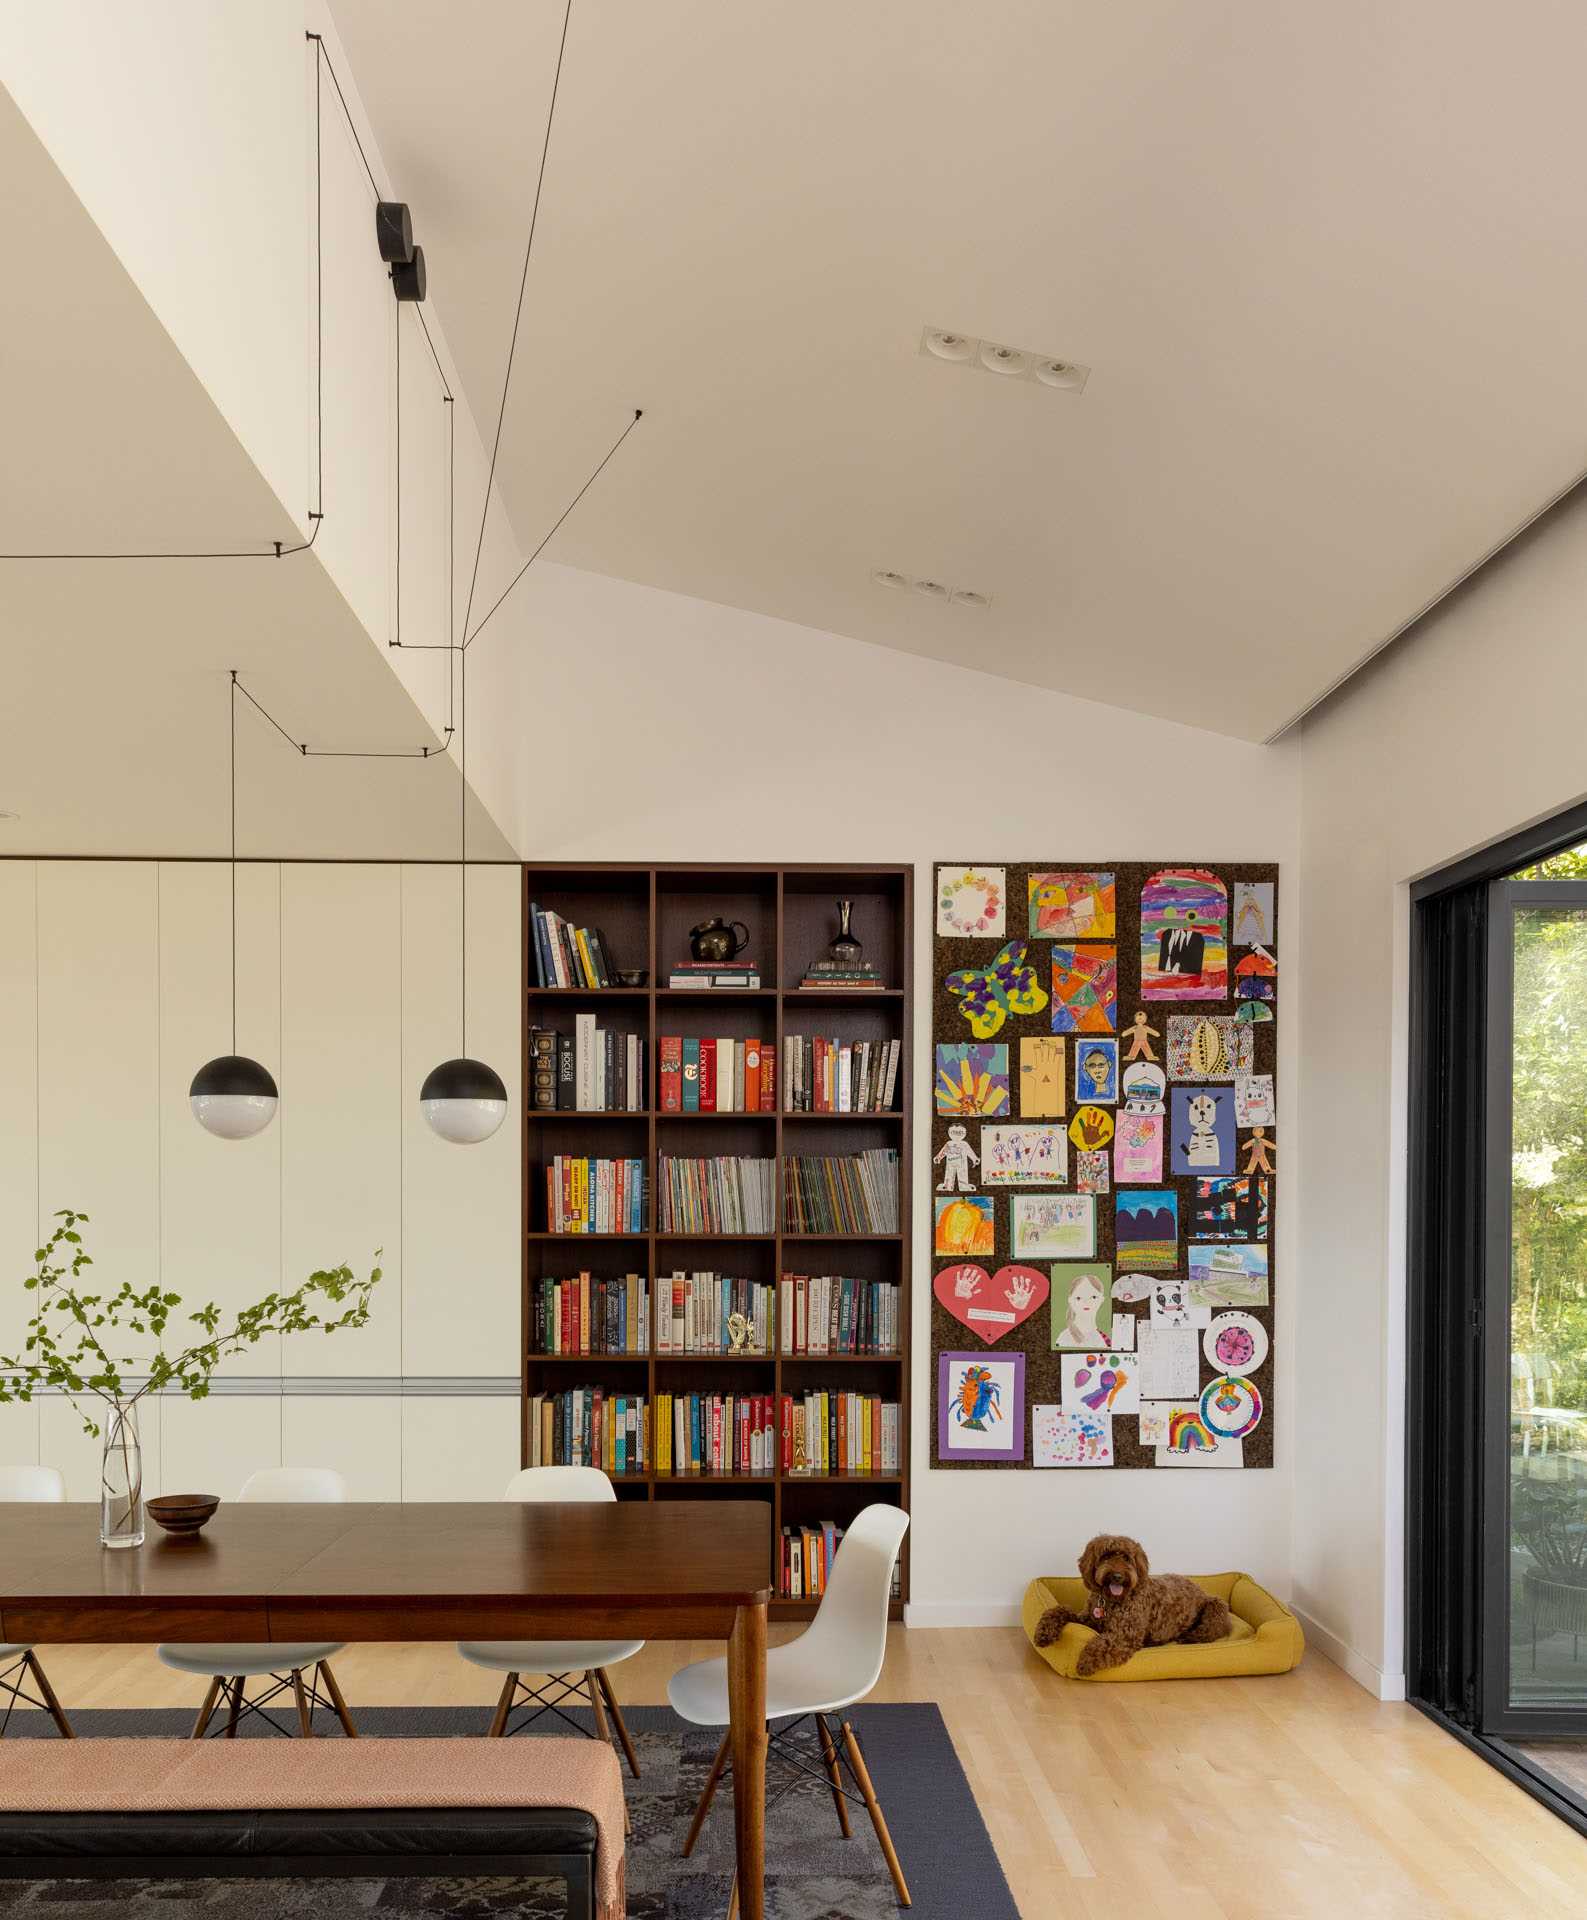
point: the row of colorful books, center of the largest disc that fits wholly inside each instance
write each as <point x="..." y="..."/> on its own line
<point x="590" y="1427"/>
<point x="713" y="973"/>
<point x="806" y="1557"/>
<point x="832" y="1313"/>
<point x="693" y="1309"/>
<point x="588" y="1314"/>
<point x="715" y="1433"/>
<point x="841" y="1193"/>
<point x="716" y="1076"/>
<point x="837" y="1432"/>
<point x="844" y="975"/>
<point x="587" y="1195"/>
<point x="592" y="1070"/>
<point x="823" y="1074"/>
<point x="720" y="1194"/>
<point x="568" y="956"/>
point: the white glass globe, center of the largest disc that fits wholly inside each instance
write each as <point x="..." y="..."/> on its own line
<point x="233" y="1097"/>
<point x="464" y="1101"/>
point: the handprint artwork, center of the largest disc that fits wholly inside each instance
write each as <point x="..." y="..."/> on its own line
<point x="991" y="1305"/>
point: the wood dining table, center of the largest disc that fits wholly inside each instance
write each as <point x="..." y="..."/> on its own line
<point x="499" y="1570"/>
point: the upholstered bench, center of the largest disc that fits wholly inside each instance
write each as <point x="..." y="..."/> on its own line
<point x="104" y="1808"/>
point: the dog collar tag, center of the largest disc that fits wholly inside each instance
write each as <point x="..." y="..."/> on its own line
<point x="1096" y="1611"/>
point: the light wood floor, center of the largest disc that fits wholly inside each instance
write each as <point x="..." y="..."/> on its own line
<point x="1197" y="1800"/>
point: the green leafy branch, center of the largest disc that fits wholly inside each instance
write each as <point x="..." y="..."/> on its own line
<point x="72" y="1334"/>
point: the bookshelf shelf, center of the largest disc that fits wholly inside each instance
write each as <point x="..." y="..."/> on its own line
<point x="644" y="915"/>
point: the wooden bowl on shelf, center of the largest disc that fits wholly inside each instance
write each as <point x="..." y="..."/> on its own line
<point x="182" y="1515"/>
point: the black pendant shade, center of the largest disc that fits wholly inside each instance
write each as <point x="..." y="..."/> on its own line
<point x="233" y="1096"/>
<point x="463" y="1100"/>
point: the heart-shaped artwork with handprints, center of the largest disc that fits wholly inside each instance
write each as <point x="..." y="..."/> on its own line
<point x="991" y="1305"/>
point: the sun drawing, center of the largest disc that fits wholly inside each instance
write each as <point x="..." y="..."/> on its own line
<point x="967" y="1091"/>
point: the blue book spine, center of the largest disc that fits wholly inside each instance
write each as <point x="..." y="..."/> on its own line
<point x="691" y="1075"/>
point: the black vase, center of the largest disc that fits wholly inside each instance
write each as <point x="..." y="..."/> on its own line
<point x="846" y="949"/>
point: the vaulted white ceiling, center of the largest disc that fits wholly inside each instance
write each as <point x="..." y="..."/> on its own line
<point x="1323" y="263"/>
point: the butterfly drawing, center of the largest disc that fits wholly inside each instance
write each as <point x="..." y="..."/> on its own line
<point x="988" y="995"/>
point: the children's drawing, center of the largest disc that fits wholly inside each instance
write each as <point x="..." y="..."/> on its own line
<point x="1209" y="1450"/>
<point x="1062" y="1438"/>
<point x="1252" y="1013"/>
<point x="1145" y="1087"/>
<point x="980" y="1406"/>
<point x="1121" y="1335"/>
<point x="963" y="1229"/>
<point x="1208" y="1046"/>
<point x="1253" y="913"/>
<point x="1041" y="1077"/>
<point x="1138" y="1147"/>
<point x="972" y="1077"/>
<point x="1085" y="989"/>
<point x="1082" y="1306"/>
<point x="1100" y="1381"/>
<point x="1146" y="1227"/>
<point x="1171" y="1304"/>
<point x="970" y="903"/>
<point x="1184" y="947"/>
<point x="1097" y="1071"/>
<point x="1056" y="1226"/>
<point x="1256" y="976"/>
<point x="1091" y="1129"/>
<point x="1253" y="1100"/>
<point x="1140" y="1037"/>
<point x="1202" y="1137"/>
<point x="1093" y="1171"/>
<point x="988" y="995"/>
<point x="1169" y="1361"/>
<point x="1228" y="1275"/>
<point x="1235" y="1342"/>
<point x="990" y="1305"/>
<point x="1024" y="1156"/>
<point x="1230" y="1407"/>
<point x="1260" y="1151"/>
<point x="1151" y="1425"/>
<point x="1132" y="1288"/>
<point x="956" y="1156"/>
<point x="1229" y="1209"/>
<point x="1072" y="906"/>
<point x="1188" y="1432"/>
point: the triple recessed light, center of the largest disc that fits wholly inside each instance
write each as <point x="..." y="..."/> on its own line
<point x="1010" y="363"/>
<point x="932" y="589"/>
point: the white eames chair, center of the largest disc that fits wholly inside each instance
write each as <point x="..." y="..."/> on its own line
<point x="20" y="1663"/>
<point x="283" y="1663"/>
<point x="834" y="1662"/>
<point x="571" y="1667"/>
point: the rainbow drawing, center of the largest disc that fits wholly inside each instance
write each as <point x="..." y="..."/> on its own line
<point x="1189" y="1433"/>
<point x="1184" y="936"/>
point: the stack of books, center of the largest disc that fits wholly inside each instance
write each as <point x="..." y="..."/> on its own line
<point x="716" y="1076"/>
<point x="823" y="1074"/>
<point x="595" y="1196"/>
<point x="833" y="1432"/>
<point x="714" y="973"/>
<point x="715" y="1433"/>
<point x="692" y="1312"/>
<point x="592" y="1070"/>
<point x="827" y="1313"/>
<point x="584" y="1314"/>
<point x="568" y="956"/>
<point x="841" y="1193"/>
<point x="718" y="1195"/>
<point x="590" y="1427"/>
<point x="806" y="1562"/>
<point x="848" y="975"/>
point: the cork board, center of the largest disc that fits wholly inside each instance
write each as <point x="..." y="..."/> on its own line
<point x="1104" y="1164"/>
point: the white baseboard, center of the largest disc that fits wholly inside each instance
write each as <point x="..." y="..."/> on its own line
<point x="1381" y="1685"/>
<point x="959" y="1613"/>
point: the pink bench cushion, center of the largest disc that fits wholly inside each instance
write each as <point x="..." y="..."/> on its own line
<point x="200" y="1776"/>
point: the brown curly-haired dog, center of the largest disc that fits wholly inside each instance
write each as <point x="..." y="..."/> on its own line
<point x="1131" y="1607"/>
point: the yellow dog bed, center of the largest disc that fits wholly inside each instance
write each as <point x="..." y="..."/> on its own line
<point x="1266" y="1636"/>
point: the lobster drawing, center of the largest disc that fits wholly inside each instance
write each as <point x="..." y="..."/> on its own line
<point x="977" y="1400"/>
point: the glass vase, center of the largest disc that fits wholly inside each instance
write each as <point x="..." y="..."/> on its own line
<point x="846" y="949"/>
<point x="121" y="1480"/>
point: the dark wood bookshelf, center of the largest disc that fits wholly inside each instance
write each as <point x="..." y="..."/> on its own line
<point x="644" y="913"/>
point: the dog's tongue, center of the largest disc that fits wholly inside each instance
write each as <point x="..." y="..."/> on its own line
<point x="1115" y="1587"/>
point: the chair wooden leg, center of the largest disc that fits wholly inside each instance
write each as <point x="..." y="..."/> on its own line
<point x="603" y="1732"/>
<point x="862" y="1773"/>
<point x="305" y="1718"/>
<point x="324" y="1671"/>
<point x="830" y="1755"/>
<point x="708" y="1796"/>
<point x="732" y="1900"/>
<point x="498" y="1725"/>
<point x="235" y="1687"/>
<point x="208" y="1707"/>
<point x="617" y="1715"/>
<point x="63" y="1726"/>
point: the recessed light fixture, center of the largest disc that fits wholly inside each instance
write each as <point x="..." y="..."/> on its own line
<point x="931" y="589"/>
<point x="883" y="576"/>
<point x="7" y="814"/>
<point x="1010" y="363"/>
<point x="968" y="597"/>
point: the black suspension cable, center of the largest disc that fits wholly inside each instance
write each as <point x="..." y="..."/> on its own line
<point x="234" y="859"/>
<point x="512" y="347"/>
<point x="462" y="845"/>
<point x="307" y="752"/>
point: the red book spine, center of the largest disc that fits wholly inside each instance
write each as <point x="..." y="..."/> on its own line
<point x="768" y="1077"/>
<point x="787" y="1433"/>
<point x="671" y="1067"/>
<point x="708" y="1076"/>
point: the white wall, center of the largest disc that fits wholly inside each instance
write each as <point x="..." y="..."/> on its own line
<point x="723" y="736"/>
<point x="114" y="988"/>
<point x="1464" y="733"/>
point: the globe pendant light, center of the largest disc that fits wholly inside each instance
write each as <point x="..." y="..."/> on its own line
<point x="463" y="1100"/>
<point x="232" y="1096"/>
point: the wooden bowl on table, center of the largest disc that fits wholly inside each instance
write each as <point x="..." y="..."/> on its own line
<point x="182" y="1515"/>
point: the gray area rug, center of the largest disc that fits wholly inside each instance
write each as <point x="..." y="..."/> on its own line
<point x="812" y="1872"/>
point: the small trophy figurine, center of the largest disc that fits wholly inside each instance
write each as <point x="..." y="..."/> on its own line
<point x="738" y="1332"/>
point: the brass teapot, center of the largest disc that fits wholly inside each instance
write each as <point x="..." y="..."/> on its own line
<point x="713" y="940"/>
